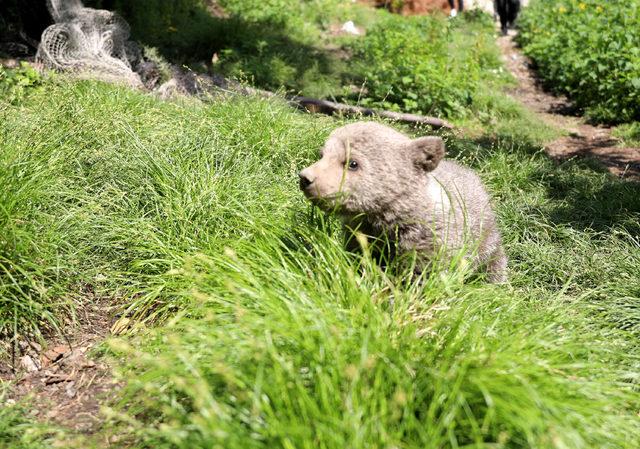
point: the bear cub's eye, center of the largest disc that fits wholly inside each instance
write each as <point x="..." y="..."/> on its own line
<point x="353" y="165"/>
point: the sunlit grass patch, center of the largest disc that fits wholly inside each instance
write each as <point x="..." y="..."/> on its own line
<point x="270" y="334"/>
<point x="302" y="346"/>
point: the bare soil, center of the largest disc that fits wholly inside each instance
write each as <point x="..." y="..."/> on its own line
<point x="582" y="139"/>
<point x="63" y="381"/>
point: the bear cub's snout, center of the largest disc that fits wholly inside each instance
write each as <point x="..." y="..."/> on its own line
<point x="383" y="183"/>
<point x="305" y="182"/>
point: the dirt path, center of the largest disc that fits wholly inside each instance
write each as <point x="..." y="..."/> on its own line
<point x="583" y="139"/>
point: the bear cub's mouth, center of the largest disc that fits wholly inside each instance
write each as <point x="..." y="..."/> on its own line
<point x="328" y="203"/>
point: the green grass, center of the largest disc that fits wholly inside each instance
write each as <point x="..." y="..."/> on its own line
<point x="17" y="429"/>
<point x="279" y="338"/>
<point x="251" y="326"/>
<point x="92" y="198"/>
<point x="629" y="133"/>
<point x="298" y="346"/>
<point x="271" y="44"/>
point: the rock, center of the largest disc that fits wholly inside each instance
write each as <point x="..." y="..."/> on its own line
<point x="54" y="354"/>
<point x="71" y="390"/>
<point x="74" y="359"/>
<point x="53" y="379"/>
<point x="28" y="364"/>
<point x="350" y="28"/>
<point x="89" y="364"/>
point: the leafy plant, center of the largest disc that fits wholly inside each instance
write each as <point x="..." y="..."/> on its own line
<point x="425" y="64"/>
<point x="589" y="50"/>
<point x="16" y="83"/>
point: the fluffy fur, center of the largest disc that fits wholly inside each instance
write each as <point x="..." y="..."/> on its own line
<point x="383" y="183"/>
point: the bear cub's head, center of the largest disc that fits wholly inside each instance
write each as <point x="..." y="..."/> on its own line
<point x="365" y="166"/>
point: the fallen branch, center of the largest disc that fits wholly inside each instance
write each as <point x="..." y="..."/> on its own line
<point x="331" y="107"/>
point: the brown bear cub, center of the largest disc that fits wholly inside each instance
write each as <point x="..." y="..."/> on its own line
<point x="384" y="184"/>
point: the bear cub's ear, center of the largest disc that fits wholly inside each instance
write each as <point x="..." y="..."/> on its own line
<point x="427" y="152"/>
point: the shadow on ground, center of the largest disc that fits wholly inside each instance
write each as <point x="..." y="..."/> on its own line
<point x="264" y="51"/>
<point x="581" y="192"/>
<point x="585" y="196"/>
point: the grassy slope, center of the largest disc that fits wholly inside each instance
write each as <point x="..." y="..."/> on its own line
<point x="194" y="208"/>
<point x="280" y="338"/>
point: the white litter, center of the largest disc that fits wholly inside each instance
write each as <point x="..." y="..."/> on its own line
<point x="350" y="27"/>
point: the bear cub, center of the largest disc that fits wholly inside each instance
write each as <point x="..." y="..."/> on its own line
<point x="384" y="184"/>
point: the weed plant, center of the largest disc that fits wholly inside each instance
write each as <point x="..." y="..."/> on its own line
<point x="629" y="133"/>
<point x="17" y="430"/>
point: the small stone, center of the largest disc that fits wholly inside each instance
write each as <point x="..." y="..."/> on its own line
<point x="28" y="364"/>
<point x="71" y="390"/>
<point x="74" y="358"/>
<point x="89" y="364"/>
<point x="56" y="353"/>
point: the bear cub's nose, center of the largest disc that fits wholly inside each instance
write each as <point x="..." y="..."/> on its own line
<point x="304" y="180"/>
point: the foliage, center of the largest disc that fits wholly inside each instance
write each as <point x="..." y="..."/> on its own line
<point x="265" y="43"/>
<point x="629" y="133"/>
<point x="429" y="65"/>
<point x="181" y="29"/>
<point x="426" y="64"/>
<point x="187" y="215"/>
<point x="16" y="83"/>
<point x="16" y="429"/>
<point x="77" y="210"/>
<point x="589" y="50"/>
<point x="273" y="60"/>
<point x="22" y="22"/>
<point x="297" y="345"/>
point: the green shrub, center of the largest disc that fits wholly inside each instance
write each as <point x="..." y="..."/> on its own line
<point x="590" y="50"/>
<point x="426" y="65"/>
<point x="16" y="83"/>
<point x="272" y="45"/>
<point x="183" y="30"/>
